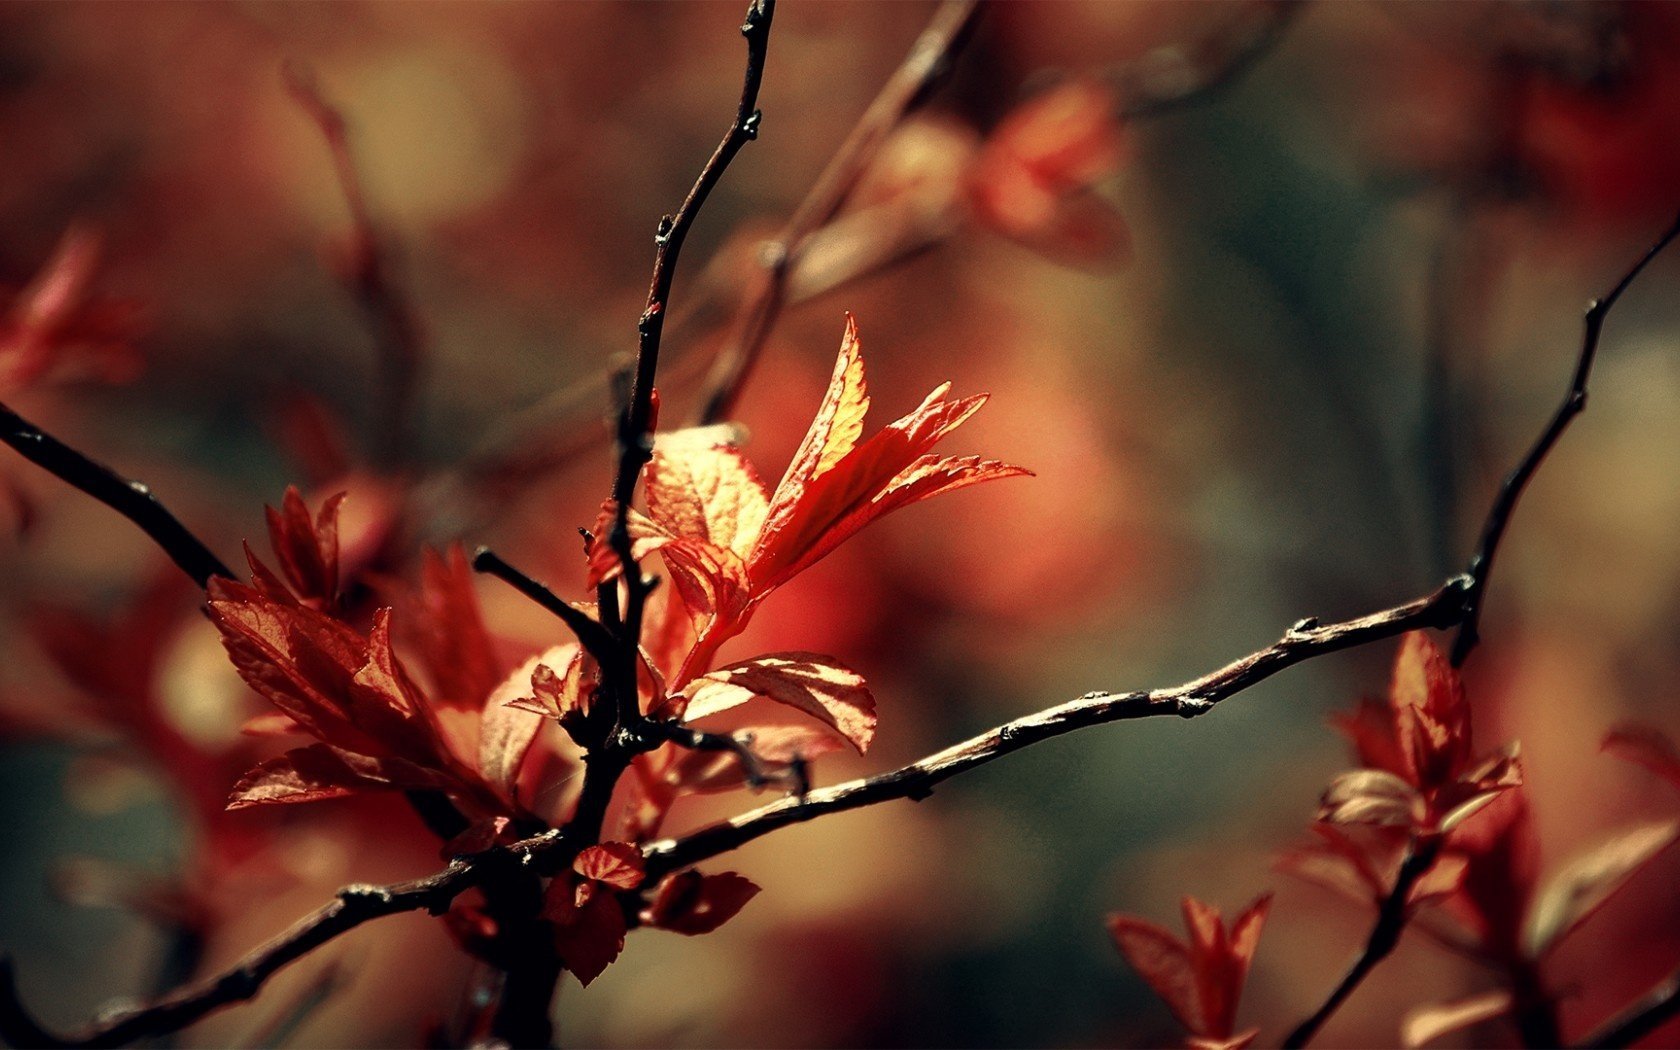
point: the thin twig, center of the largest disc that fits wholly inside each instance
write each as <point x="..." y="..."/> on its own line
<point x="1392" y="917"/>
<point x="595" y="639"/>
<point x="1644" y="1016"/>
<point x="619" y="677"/>
<point x="752" y="767"/>
<point x="1511" y="489"/>
<point x="351" y="907"/>
<point x="1304" y="641"/>
<point x="132" y="499"/>
<point x="910" y="85"/>
<point x="370" y="277"/>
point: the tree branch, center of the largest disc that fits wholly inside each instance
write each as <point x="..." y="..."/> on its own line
<point x="909" y="86"/>
<point x="1305" y="640"/>
<point x="1646" y="1014"/>
<point x="397" y="331"/>
<point x="1516" y="482"/>
<point x="1392" y="917"/>
<point x="351" y="907"/>
<point x="132" y="499"/>
<point x="595" y="639"/>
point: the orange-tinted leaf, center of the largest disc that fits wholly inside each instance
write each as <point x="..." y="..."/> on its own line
<point x="1164" y="964"/>
<point x="1371" y="731"/>
<point x="832" y="487"/>
<point x="690" y="903"/>
<point x="556" y="683"/>
<point x="508" y="727"/>
<point x="698" y="489"/>
<point x="1590" y="879"/>
<point x="1432" y="718"/>
<point x="617" y="864"/>
<point x="55" y="329"/>
<point x="1424" y="1024"/>
<point x="834" y="695"/>
<point x="1647" y="746"/>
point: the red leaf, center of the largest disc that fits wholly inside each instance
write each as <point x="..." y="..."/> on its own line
<point x="1164" y="964"/>
<point x="308" y="774"/>
<point x="690" y="903"/>
<point x="588" y="927"/>
<point x="459" y="652"/>
<point x="307" y="550"/>
<point x="54" y="328"/>
<point x="618" y="864"/>
<point x="835" y="695"/>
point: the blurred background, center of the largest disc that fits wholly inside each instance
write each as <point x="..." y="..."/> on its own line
<point x="1269" y="296"/>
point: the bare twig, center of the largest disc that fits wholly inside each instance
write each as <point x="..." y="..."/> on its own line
<point x="594" y="638"/>
<point x="929" y="59"/>
<point x="1511" y="489"/>
<point x="352" y="906"/>
<point x="1304" y="641"/>
<point x="1644" y="1016"/>
<point x="1392" y="917"/>
<point x="132" y="499"/>
<point x="370" y="277"/>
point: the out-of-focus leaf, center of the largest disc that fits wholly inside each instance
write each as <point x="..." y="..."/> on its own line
<point x="1647" y="746"/>
<point x="690" y="903"/>
<point x="1583" y="885"/>
<point x="1370" y="796"/>
<point x="1424" y="1024"/>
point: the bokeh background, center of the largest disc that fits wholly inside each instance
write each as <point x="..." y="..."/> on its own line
<point x="1268" y="351"/>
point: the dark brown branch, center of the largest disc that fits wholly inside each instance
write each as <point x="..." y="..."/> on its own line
<point x="352" y="906"/>
<point x="369" y="276"/>
<point x="929" y="60"/>
<point x="132" y="499"/>
<point x="636" y="423"/>
<point x="1511" y="489"/>
<point x="1644" y="1016"/>
<point x="595" y="639"/>
<point x="1304" y="641"/>
<point x="1392" y="917"/>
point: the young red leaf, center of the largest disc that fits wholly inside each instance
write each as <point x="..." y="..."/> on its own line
<point x="589" y="927"/>
<point x="809" y="682"/>
<point x="617" y="864"/>
<point x="703" y="490"/>
<point x="690" y="903"/>
<point x="307" y="549"/>
<point x="308" y="774"/>
<point x="508" y="727"/>
<point x="1163" y="962"/>
<point x="1201" y="982"/>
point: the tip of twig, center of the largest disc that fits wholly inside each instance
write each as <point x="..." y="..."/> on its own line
<point x="483" y="559"/>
